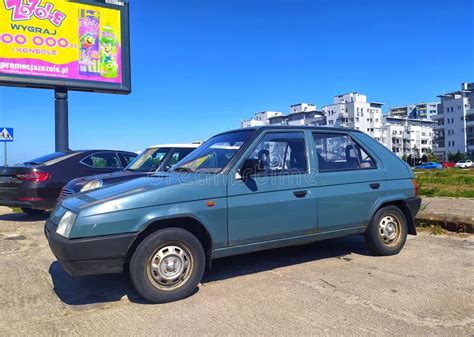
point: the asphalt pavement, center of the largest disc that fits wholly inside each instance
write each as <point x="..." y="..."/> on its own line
<point x="334" y="288"/>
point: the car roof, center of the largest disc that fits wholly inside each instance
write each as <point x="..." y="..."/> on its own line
<point x="293" y="127"/>
<point x="97" y="150"/>
<point x="180" y="146"/>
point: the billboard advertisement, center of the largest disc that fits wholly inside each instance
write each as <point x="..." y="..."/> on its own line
<point x="77" y="45"/>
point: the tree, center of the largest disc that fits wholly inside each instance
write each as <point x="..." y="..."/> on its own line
<point x="455" y="157"/>
<point x="431" y="156"/>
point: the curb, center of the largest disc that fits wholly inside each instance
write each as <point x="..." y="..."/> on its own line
<point x="452" y="224"/>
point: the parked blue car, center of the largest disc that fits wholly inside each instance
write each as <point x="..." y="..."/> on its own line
<point x="241" y="191"/>
<point x="430" y="166"/>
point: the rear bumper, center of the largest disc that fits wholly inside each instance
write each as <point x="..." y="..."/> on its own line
<point x="36" y="204"/>
<point x="413" y="205"/>
<point x="96" y="255"/>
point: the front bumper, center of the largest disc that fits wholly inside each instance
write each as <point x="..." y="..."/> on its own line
<point x="88" y="256"/>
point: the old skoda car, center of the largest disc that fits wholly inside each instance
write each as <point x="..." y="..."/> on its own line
<point x="241" y="191"/>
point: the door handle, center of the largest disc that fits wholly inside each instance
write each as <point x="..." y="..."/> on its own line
<point x="300" y="194"/>
<point x="374" y="186"/>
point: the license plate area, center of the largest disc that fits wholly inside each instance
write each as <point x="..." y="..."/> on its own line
<point x="6" y="180"/>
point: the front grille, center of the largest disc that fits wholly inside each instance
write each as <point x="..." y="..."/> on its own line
<point x="65" y="192"/>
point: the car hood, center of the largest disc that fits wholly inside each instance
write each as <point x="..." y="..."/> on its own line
<point x="103" y="176"/>
<point x="148" y="191"/>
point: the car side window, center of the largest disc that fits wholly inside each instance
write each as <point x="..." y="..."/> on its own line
<point x="281" y="153"/>
<point x="340" y="152"/>
<point x="102" y="160"/>
<point x="126" y="158"/>
<point x="177" y="155"/>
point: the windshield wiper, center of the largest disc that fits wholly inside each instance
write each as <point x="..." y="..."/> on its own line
<point x="31" y="163"/>
<point x="183" y="169"/>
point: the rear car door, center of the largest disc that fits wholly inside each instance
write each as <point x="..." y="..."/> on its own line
<point x="350" y="180"/>
<point x="277" y="202"/>
<point x="101" y="162"/>
<point x="126" y="157"/>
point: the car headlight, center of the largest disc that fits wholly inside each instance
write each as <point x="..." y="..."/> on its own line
<point x="91" y="185"/>
<point x="65" y="224"/>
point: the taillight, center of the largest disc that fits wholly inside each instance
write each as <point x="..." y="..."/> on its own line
<point x="33" y="176"/>
<point x="416" y="186"/>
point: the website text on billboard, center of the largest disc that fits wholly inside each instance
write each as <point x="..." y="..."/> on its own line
<point x="78" y="41"/>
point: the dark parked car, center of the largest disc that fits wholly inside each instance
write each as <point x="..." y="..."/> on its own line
<point x="34" y="185"/>
<point x="155" y="158"/>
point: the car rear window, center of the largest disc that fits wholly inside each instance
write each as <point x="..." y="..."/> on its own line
<point x="340" y="152"/>
<point x="50" y="159"/>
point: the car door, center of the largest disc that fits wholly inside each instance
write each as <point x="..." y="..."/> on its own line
<point x="277" y="202"/>
<point x="126" y="158"/>
<point x="175" y="155"/>
<point x="350" y="180"/>
<point x="101" y="162"/>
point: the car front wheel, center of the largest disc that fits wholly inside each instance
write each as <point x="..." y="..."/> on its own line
<point x="167" y="265"/>
<point x="387" y="232"/>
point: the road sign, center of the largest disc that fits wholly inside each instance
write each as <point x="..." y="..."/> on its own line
<point x="6" y="134"/>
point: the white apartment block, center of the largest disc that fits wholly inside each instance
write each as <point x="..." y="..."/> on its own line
<point x="260" y="118"/>
<point x="405" y="136"/>
<point x="352" y="110"/>
<point x="415" y="111"/>
<point x="454" y="131"/>
<point x="300" y="114"/>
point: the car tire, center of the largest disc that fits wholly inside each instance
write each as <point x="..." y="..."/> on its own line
<point x="387" y="231"/>
<point x="33" y="211"/>
<point x="167" y="265"/>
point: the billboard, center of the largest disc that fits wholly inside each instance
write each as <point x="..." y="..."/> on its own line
<point x="77" y="45"/>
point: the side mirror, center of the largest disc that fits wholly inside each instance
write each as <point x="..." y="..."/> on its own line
<point x="250" y="166"/>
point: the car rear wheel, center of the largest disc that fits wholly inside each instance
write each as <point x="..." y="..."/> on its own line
<point x="32" y="211"/>
<point x="387" y="232"/>
<point x="168" y="265"/>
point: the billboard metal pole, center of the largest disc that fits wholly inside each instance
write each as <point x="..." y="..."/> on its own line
<point x="61" y="119"/>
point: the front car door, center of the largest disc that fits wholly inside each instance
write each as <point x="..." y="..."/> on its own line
<point x="277" y="202"/>
<point x="350" y="180"/>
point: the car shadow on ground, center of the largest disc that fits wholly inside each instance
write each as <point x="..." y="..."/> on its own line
<point x="23" y="217"/>
<point x="113" y="287"/>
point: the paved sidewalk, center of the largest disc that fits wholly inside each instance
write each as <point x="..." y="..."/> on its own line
<point x="455" y="214"/>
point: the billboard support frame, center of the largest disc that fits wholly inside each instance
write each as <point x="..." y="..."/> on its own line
<point x="61" y="119"/>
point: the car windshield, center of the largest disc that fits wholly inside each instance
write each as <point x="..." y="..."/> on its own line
<point x="149" y="160"/>
<point x="213" y="155"/>
<point x="49" y="159"/>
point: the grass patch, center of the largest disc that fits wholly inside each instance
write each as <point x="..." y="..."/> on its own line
<point x="434" y="229"/>
<point x="446" y="183"/>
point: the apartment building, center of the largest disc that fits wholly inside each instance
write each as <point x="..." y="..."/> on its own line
<point x="300" y="114"/>
<point x="352" y="110"/>
<point x="415" y="111"/>
<point x="260" y="118"/>
<point x="454" y="131"/>
<point x="408" y="136"/>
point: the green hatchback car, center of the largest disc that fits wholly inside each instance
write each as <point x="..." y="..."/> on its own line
<point x="241" y="191"/>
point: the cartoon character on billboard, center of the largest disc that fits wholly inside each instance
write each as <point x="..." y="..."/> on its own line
<point x="89" y="23"/>
<point x="108" y="53"/>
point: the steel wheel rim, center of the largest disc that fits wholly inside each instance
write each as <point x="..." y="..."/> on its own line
<point x="170" y="266"/>
<point x="390" y="230"/>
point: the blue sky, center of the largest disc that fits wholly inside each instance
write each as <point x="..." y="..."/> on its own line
<point x="200" y="67"/>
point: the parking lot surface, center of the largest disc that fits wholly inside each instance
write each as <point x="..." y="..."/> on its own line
<point x="332" y="287"/>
